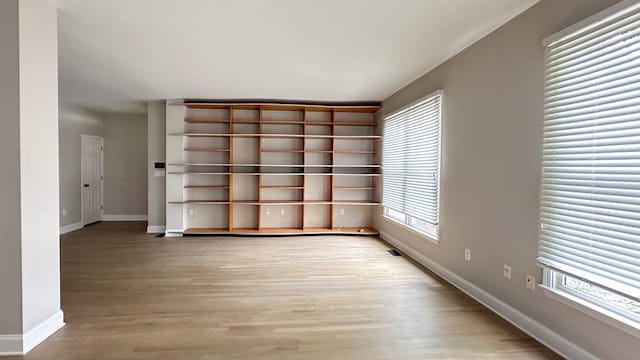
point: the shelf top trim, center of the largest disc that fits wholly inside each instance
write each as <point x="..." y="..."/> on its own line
<point x="282" y="107"/>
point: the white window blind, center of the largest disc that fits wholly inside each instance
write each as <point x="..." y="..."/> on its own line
<point x="411" y="160"/>
<point x="590" y="195"/>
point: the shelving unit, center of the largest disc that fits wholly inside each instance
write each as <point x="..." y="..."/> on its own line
<point x="270" y="169"/>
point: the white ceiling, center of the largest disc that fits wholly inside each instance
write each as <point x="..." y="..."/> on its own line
<point x="117" y="54"/>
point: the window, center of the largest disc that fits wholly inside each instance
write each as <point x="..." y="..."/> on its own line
<point x="590" y="191"/>
<point x="411" y="165"/>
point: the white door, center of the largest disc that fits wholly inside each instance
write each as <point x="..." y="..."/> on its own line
<point x="91" y="175"/>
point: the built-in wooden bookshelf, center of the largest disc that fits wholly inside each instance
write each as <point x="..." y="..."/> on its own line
<point x="270" y="169"/>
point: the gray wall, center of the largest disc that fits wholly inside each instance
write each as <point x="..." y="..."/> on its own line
<point x="492" y="126"/>
<point x="74" y="121"/>
<point x="125" y="164"/>
<point x="156" y="137"/>
<point x="10" y="232"/>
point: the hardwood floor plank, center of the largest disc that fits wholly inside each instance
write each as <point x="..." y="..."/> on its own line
<point x="130" y="295"/>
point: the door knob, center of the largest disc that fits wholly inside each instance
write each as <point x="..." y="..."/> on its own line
<point x="86" y="185"/>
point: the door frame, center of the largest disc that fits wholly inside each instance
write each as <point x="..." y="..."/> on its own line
<point x="82" y="140"/>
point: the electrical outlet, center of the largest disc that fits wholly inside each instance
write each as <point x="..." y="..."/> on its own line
<point x="281" y="211"/>
<point x="341" y="211"/>
<point x="64" y="212"/>
<point x="531" y="282"/>
<point x="467" y="254"/>
<point x="267" y="211"/>
<point x="190" y="212"/>
<point x="506" y="271"/>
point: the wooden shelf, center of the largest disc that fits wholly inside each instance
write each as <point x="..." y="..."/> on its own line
<point x="277" y="187"/>
<point x="203" y="202"/>
<point x="278" y="202"/>
<point x="206" y="187"/>
<point x="280" y="136"/>
<point x="319" y="123"/>
<point x="283" y="151"/>
<point x="267" y="174"/>
<point x="354" y="187"/>
<point x="282" y="231"/>
<point x="281" y="122"/>
<point x="205" y="121"/>
<point x="362" y="166"/>
<point x="207" y="149"/>
<point x="246" y="122"/>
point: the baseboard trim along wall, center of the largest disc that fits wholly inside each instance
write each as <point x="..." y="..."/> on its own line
<point x="151" y="229"/>
<point x="106" y="217"/>
<point x="22" y="344"/>
<point x="530" y="326"/>
<point x="10" y="345"/>
<point x="71" y="227"/>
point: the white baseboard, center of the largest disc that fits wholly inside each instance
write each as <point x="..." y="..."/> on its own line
<point x="530" y="326"/>
<point x="71" y="227"/>
<point x="124" y="217"/>
<point x="42" y="331"/>
<point x="22" y="344"/>
<point x="153" y="229"/>
<point x="10" y="345"/>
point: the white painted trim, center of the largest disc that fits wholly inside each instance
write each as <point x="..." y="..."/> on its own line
<point x="530" y="326"/>
<point x="411" y="229"/>
<point x="22" y="344"/>
<point x="10" y="345"/>
<point x="155" y="229"/>
<point x="174" y="232"/>
<point x="591" y="21"/>
<point x="42" y="331"/>
<point x="592" y="309"/>
<point x="71" y="227"/>
<point x="124" y="217"/>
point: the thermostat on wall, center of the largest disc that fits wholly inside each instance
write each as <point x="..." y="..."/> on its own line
<point x="159" y="168"/>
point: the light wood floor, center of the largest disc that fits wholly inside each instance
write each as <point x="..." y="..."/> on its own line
<point x="129" y="295"/>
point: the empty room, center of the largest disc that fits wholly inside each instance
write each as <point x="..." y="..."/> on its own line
<point x="338" y="179"/>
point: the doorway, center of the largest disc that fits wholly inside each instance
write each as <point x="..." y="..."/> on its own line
<point x="91" y="170"/>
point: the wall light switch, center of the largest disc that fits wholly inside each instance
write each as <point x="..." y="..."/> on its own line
<point x="506" y="271"/>
<point x="281" y="211"/>
<point x="341" y="211"/>
<point x="267" y="211"/>
<point x="190" y="212"/>
<point x="467" y="254"/>
<point x="64" y="212"/>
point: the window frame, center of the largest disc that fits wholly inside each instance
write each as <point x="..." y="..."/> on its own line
<point x="434" y="236"/>
<point x="553" y="287"/>
<point x="553" y="280"/>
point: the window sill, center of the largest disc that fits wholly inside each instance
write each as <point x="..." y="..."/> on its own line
<point x="425" y="235"/>
<point x="594" y="310"/>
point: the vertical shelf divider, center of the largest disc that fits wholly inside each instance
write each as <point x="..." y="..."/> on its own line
<point x="304" y="168"/>
<point x="331" y="162"/>
<point x="259" y="207"/>
<point x="231" y="141"/>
